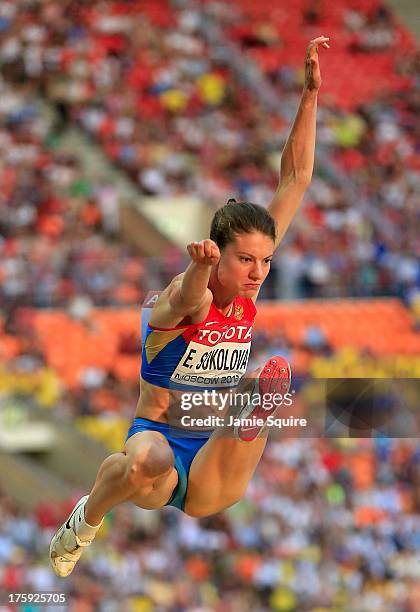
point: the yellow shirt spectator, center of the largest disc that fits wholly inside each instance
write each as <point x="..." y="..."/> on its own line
<point x="174" y="100"/>
<point x="212" y="88"/>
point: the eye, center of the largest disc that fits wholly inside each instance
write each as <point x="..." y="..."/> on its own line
<point x="246" y="259"/>
<point x="267" y="261"/>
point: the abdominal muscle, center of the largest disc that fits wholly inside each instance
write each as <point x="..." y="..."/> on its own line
<point x="165" y="406"/>
<point x="154" y="402"/>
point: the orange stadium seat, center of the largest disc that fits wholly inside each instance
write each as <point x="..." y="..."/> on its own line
<point x="10" y="346"/>
<point x="127" y="368"/>
<point x="347" y="76"/>
<point x="71" y="346"/>
<point x="382" y="326"/>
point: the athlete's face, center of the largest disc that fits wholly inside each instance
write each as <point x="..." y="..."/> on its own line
<point x="245" y="263"/>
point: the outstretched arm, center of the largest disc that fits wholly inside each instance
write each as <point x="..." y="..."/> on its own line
<point x="188" y="293"/>
<point x="297" y="160"/>
<point x="193" y="290"/>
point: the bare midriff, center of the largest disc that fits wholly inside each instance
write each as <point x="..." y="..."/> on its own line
<point x="166" y="406"/>
<point x="154" y="402"/>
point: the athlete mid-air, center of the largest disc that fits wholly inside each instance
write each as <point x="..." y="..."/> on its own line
<point x="200" y="330"/>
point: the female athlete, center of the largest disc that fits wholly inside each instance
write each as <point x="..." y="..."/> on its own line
<point x="200" y="331"/>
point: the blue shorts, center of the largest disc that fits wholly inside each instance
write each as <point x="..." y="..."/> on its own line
<point x="185" y="446"/>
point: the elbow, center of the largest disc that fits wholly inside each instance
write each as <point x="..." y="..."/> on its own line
<point x="178" y="305"/>
<point x="183" y="306"/>
<point x="300" y="178"/>
<point x="303" y="178"/>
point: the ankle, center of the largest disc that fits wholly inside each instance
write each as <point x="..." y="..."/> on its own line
<point x="91" y="518"/>
<point x="86" y="529"/>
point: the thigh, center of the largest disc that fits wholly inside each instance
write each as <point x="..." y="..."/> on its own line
<point x="153" y="456"/>
<point x="222" y="469"/>
<point x="220" y="473"/>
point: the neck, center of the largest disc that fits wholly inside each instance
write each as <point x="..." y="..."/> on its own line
<point x="222" y="298"/>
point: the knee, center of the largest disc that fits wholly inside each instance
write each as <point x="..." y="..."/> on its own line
<point x="150" y="462"/>
<point x="114" y="466"/>
<point x="199" y="512"/>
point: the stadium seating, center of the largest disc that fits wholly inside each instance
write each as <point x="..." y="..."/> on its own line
<point x="325" y="523"/>
<point x="181" y="120"/>
<point x="384" y="327"/>
<point x="348" y="75"/>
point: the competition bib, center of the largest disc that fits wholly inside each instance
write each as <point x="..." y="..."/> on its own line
<point x="216" y="355"/>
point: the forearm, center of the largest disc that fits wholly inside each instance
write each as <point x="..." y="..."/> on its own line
<point x="297" y="160"/>
<point x="194" y="285"/>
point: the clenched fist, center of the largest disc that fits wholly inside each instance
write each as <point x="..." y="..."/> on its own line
<point x="205" y="252"/>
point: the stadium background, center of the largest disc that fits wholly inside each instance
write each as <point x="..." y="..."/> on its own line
<point x="123" y="125"/>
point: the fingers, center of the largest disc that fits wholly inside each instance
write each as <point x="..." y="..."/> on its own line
<point x="193" y="249"/>
<point x="211" y="249"/>
<point x="320" y="40"/>
<point x="215" y="252"/>
<point x="196" y="250"/>
<point x="208" y="248"/>
<point x="204" y="251"/>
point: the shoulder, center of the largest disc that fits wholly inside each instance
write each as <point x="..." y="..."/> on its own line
<point x="173" y="286"/>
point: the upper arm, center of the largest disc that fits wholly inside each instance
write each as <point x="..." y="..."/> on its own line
<point x="169" y="310"/>
<point x="283" y="207"/>
<point x="286" y="201"/>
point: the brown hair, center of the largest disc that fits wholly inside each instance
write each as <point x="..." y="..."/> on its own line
<point x="240" y="218"/>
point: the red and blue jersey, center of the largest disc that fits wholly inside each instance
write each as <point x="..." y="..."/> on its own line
<point x="212" y="354"/>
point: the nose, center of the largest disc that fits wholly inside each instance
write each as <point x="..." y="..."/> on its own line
<point x="256" y="272"/>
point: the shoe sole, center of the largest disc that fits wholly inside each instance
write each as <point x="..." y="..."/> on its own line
<point x="268" y="380"/>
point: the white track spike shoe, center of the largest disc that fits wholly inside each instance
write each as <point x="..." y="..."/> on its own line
<point x="275" y="377"/>
<point x="66" y="547"/>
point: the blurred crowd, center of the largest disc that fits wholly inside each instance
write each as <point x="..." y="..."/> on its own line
<point x="58" y="230"/>
<point x="325" y="524"/>
<point x="365" y="241"/>
<point x="322" y="526"/>
<point x="164" y="103"/>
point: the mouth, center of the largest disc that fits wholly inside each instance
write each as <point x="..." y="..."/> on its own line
<point x="252" y="285"/>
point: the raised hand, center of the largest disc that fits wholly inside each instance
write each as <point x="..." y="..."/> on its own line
<point x="205" y="252"/>
<point x="312" y="71"/>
